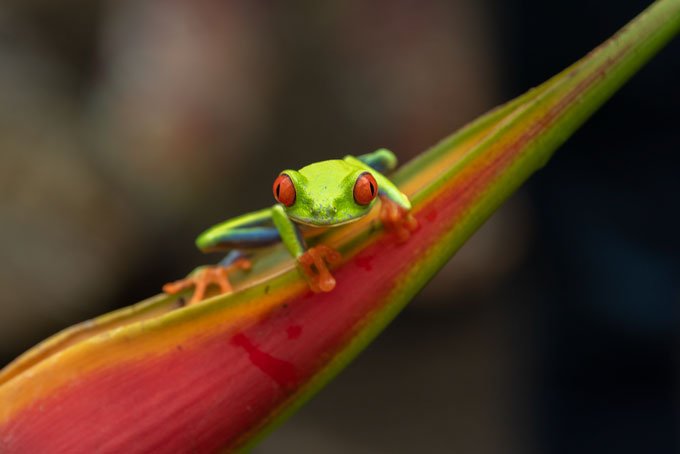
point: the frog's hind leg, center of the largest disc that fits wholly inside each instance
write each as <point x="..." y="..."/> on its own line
<point x="382" y="160"/>
<point x="233" y="257"/>
<point x="252" y="230"/>
<point x="236" y="259"/>
<point x="249" y="231"/>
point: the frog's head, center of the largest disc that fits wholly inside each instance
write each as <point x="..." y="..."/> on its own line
<point x="326" y="193"/>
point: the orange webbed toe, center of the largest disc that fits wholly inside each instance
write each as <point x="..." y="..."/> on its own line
<point x="396" y="219"/>
<point x="205" y="277"/>
<point x="313" y="264"/>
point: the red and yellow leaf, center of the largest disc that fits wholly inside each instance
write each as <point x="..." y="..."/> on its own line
<point x="157" y="377"/>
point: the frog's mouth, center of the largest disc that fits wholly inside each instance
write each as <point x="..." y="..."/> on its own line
<point x="323" y="223"/>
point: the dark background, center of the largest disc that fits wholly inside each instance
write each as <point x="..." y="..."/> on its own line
<point x="127" y="127"/>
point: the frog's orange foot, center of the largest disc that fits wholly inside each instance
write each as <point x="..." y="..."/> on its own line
<point x="204" y="277"/>
<point x="313" y="265"/>
<point x="396" y="219"/>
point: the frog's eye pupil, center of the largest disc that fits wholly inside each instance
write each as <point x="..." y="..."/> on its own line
<point x="365" y="189"/>
<point x="284" y="190"/>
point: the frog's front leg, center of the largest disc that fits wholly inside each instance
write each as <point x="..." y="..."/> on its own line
<point x="396" y="218"/>
<point x="313" y="262"/>
<point x="395" y="207"/>
<point x="244" y="232"/>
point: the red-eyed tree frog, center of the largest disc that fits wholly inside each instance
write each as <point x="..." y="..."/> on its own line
<point x="321" y="195"/>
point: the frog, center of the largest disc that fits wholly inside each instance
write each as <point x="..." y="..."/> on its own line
<point x="320" y="196"/>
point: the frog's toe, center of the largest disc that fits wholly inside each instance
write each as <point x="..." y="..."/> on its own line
<point x="314" y="266"/>
<point x="173" y="288"/>
<point x="396" y="219"/>
<point x="205" y="277"/>
<point x="242" y="264"/>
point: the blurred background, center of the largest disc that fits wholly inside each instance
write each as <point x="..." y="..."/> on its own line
<point x="127" y="127"/>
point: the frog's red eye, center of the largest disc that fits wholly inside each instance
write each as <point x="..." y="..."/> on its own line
<point x="365" y="189"/>
<point x="284" y="190"/>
